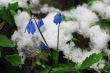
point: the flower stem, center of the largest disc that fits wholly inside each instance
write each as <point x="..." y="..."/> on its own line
<point x="42" y="36"/>
<point x="58" y="45"/>
<point x="41" y="33"/>
<point x="39" y="30"/>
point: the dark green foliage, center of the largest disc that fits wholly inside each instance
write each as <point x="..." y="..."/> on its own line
<point x="13" y="6"/>
<point x="91" y="60"/>
<point x="5" y="42"/>
<point x="90" y="2"/>
<point x="64" y="68"/>
<point x="6" y="14"/>
<point x="107" y="68"/>
<point x="14" y="59"/>
<point x="47" y="70"/>
<point x="104" y="23"/>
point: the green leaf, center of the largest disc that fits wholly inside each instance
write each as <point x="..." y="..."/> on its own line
<point x="13" y="13"/>
<point x="5" y="42"/>
<point x="64" y="68"/>
<point x="38" y="62"/>
<point x="91" y="60"/>
<point x="14" y="59"/>
<point x="6" y="16"/>
<point x="43" y="56"/>
<point x="90" y="2"/>
<point x="13" y="6"/>
<point x="27" y="10"/>
<point x="1" y="10"/>
<point x="55" y="57"/>
<point x="104" y="23"/>
<point x="107" y="68"/>
<point x="47" y="70"/>
<point x="63" y="17"/>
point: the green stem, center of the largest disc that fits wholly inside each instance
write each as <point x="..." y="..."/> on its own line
<point x="42" y="36"/>
<point x="58" y="45"/>
<point x="41" y="33"/>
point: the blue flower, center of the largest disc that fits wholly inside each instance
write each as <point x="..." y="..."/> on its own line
<point x="30" y="27"/>
<point x="42" y="46"/>
<point x="57" y="18"/>
<point x="40" y="23"/>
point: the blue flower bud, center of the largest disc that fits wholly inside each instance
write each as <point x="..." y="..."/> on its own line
<point x="42" y="46"/>
<point x="30" y="27"/>
<point x="57" y="18"/>
<point x="40" y="23"/>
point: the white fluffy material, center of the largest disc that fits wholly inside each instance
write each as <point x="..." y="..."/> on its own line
<point x="20" y="36"/>
<point x="86" y="18"/>
<point x="46" y="9"/>
<point x="78" y="56"/>
<point x="107" y="12"/>
<point x="99" y="38"/>
<point x="101" y="7"/>
<point x="35" y="2"/>
<point x="70" y="26"/>
<point x="21" y="3"/>
<point x="21" y="40"/>
<point x="106" y="1"/>
<point x="24" y="17"/>
<point x="83" y="14"/>
<point x="98" y="7"/>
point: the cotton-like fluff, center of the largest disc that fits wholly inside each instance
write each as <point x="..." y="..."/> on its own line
<point x="68" y="14"/>
<point x="20" y="36"/>
<point x="66" y="48"/>
<point x="69" y="26"/>
<point x="107" y="12"/>
<point x="21" y="40"/>
<point x="46" y="9"/>
<point x="4" y="3"/>
<point x="106" y="1"/>
<point x="77" y="55"/>
<point x="86" y="18"/>
<point x="35" y="6"/>
<point x="83" y="28"/>
<point x="98" y="37"/>
<point x="83" y="14"/>
<point x="27" y="44"/>
<point x="35" y="2"/>
<point x="21" y="3"/>
<point x="22" y="20"/>
<point x="98" y="7"/>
